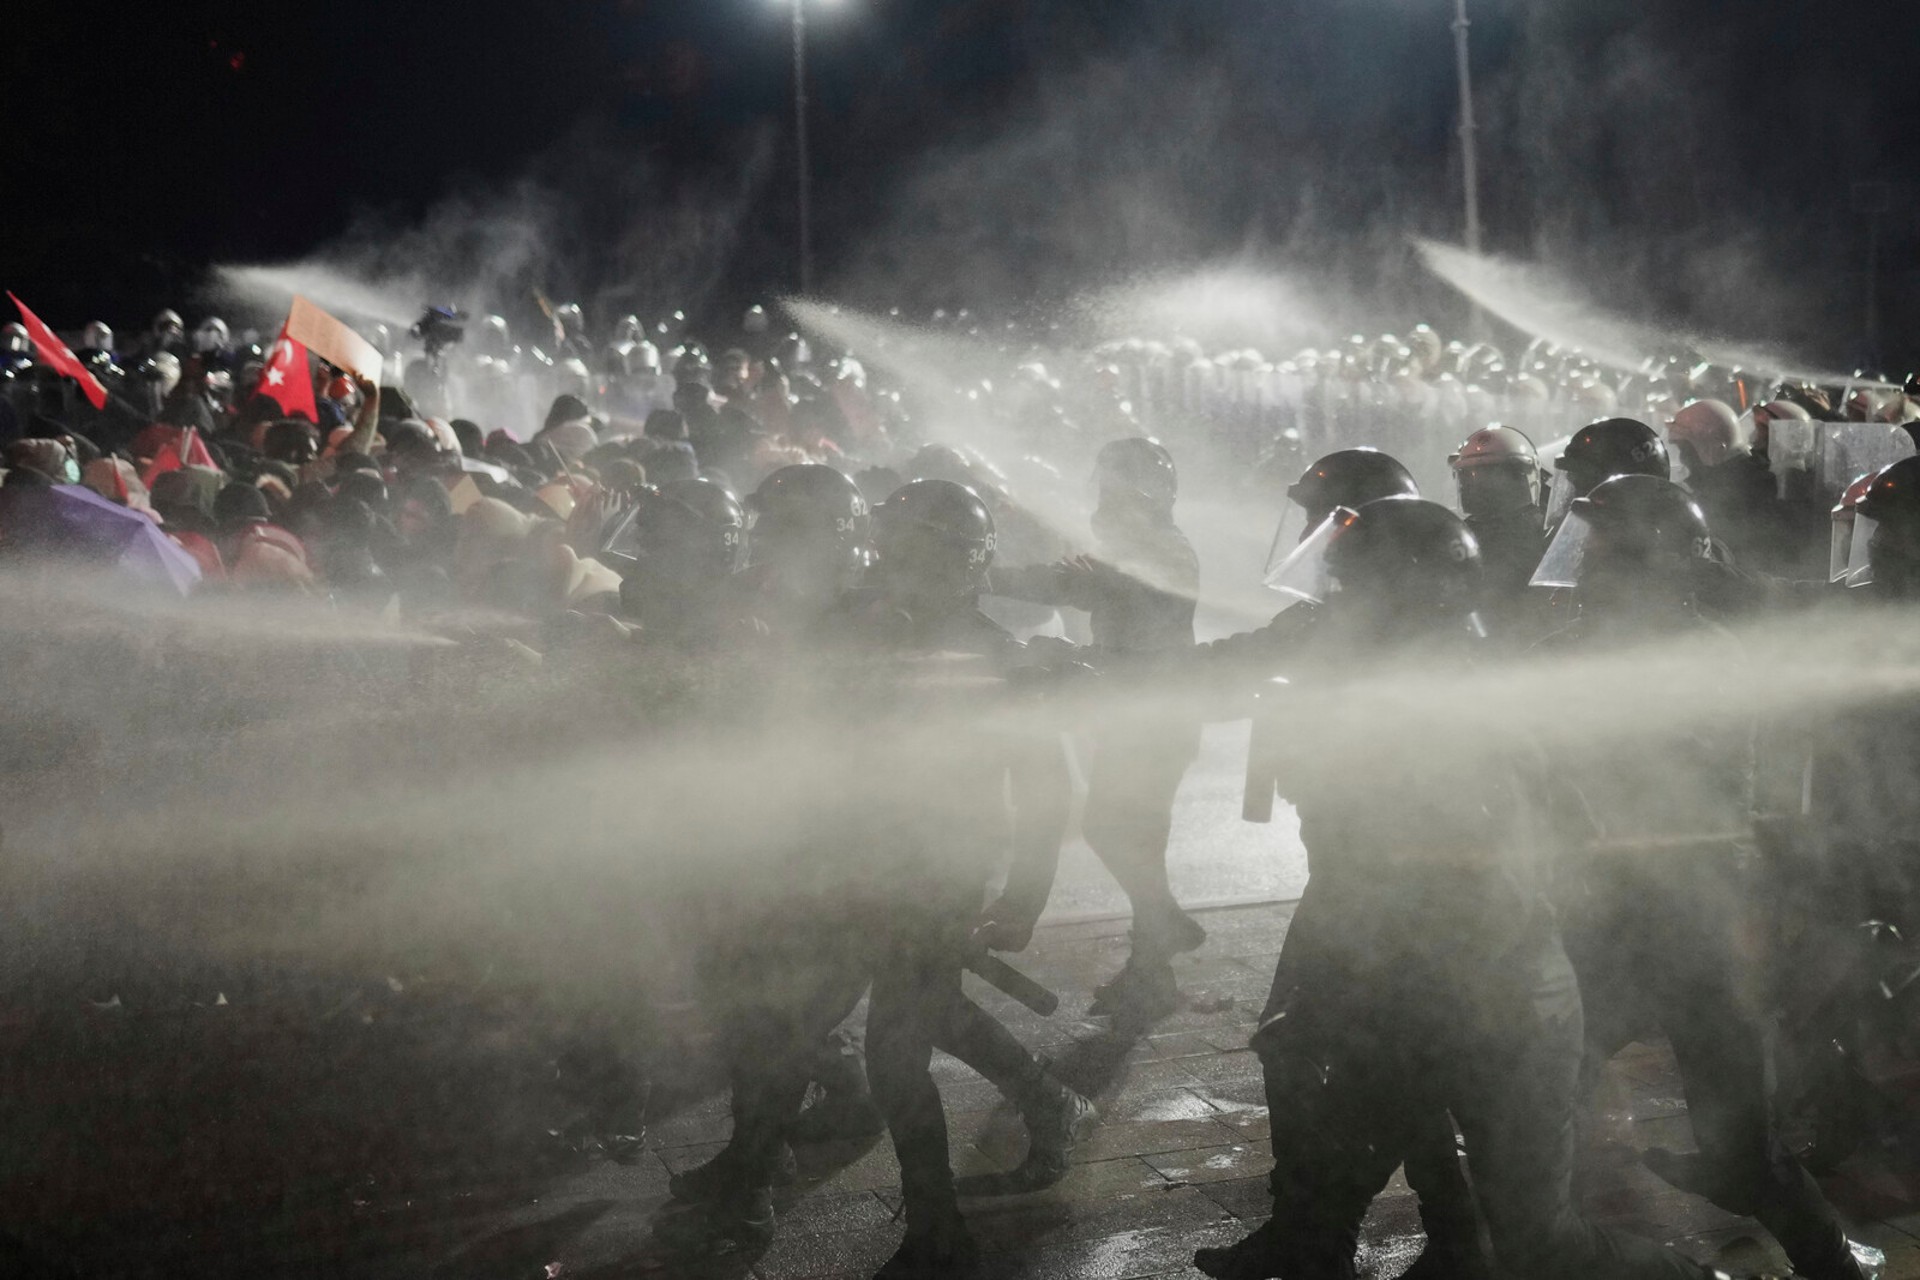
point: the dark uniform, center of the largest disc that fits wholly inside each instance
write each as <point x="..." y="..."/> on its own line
<point x="1140" y="595"/>
<point x="1349" y="478"/>
<point x="885" y="888"/>
<point x="1429" y="978"/>
<point x="1660" y="887"/>
<point x="937" y="789"/>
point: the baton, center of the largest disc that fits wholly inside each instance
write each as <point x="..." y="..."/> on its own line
<point x="1003" y="976"/>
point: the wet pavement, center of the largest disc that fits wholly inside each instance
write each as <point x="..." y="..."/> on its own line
<point x="1177" y="1162"/>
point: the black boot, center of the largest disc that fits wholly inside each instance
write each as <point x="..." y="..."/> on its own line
<point x="1143" y="992"/>
<point x="1439" y="1263"/>
<point x="723" y="1176"/>
<point x="738" y="1216"/>
<point x="1058" y="1120"/>
<point x="1255" y="1257"/>
<point x="1453" y="1250"/>
<point x="939" y="1246"/>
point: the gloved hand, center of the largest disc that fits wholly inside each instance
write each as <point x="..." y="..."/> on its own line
<point x="1005" y="926"/>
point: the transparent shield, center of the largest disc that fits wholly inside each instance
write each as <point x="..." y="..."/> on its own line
<point x="1303" y="572"/>
<point x="1840" y="547"/>
<point x="1560" y="498"/>
<point x="1566" y="554"/>
<point x="1293" y="523"/>
<point x="1860" y="551"/>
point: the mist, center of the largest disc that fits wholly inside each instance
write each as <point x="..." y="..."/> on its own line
<point x="346" y="798"/>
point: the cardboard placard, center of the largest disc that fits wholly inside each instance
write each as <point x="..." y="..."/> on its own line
<point x="333" y="341"/>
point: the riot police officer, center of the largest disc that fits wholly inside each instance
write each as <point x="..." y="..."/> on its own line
<point x="677" y="551"/>
<point x="908" y="914"/>
<point x="1345" y="478"/>
<point x="1429" y="978"/>
<point x="1599" y="451"/>
<point x="810" y="543"/>
<point x="811" y="528"/>
<point x="1734" y="485"/>
<point x="1497" y="473"/>
<point x="1139" y="593"/>
<point x="1884" y="546"/>
<point x="940" y="815"/>
<point x="1661" y="832"/>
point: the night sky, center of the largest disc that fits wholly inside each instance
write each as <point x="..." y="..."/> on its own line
<point x="1056" y="141"/>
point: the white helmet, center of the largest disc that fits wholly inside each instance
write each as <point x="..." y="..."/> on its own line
<point x="1710" y="426"/>
<point x="1493" y="444"/>
<point x="1497" y="471"/>
<point x="97" y="336"/>
<point x="211" y="336"/>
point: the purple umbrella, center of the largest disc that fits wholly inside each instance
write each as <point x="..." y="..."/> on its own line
<point x="121" y="535"/>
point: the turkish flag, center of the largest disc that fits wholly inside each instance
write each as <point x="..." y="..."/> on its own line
<point x="288" y="379"/>
<point x="58" y="357"/>
<point x="184" y="450"/>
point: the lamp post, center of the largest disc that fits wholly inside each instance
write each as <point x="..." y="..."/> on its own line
<point x="804" y="168"/>
<point x="1469" y="150"/>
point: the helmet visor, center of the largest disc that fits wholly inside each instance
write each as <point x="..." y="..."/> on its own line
<point x="1858" y="570"/>
<point x="1292" y="529"/>
<point x="1566" y="555"/>
<point x="1497" y="488"/>
<point x="1840" y="546"/>
<point x="1560" y="497"/>
<point x="1302" y="572"/>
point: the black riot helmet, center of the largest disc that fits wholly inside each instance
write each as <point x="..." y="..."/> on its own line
<point x="686" y="530"/>
<point x="933" y="540"/>
<point x="1135" y="473"/>
<point x="1408" y="565"/>
<point x="1613" y="447"/>
<point x="810" y="522"/>
<point x="1890" y="540"/>
<point x="1350" y="478"/>
<point x="1632" y="534"/>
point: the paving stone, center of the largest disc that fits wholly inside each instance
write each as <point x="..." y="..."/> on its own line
<point x="1144" y="1139"/>
<point x="1225" y="1068"/>
<point x="833" y="1212"/>
<point x="1232" y="1036"/>
<point x="1244" y="1198"/>
<point x="874" y="1171"/>
<point x="1005" y="1226"/>
<point x="1213" y="1164"/>
<point x="838" y="1253"/>
<point x="1170" y="1104"/>
<point x="680" y="1159"/>
<point x="1180" y="1044"/>
<point x="1235" y="1095"/>
<point x="1123" y="1256"/>
<point x="1151" y="1075"/>
<point x="689" y="1130"/>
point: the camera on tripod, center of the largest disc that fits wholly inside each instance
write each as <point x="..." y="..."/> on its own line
<point x="440" y="328"/>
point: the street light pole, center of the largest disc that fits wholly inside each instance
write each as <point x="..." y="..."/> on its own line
<point x="805" y="168"/>
<point x="1469" y="150"/>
